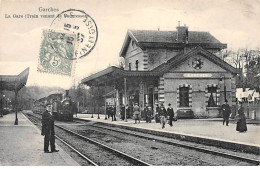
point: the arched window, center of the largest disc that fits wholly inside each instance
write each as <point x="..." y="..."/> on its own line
<point x="184" y="93"/>
<point x="184" y="96"/>
<point x="212" y="95"/>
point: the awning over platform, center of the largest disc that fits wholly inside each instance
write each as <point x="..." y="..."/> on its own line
<point x="113" y="73"/>
<point x="14" y="82"/>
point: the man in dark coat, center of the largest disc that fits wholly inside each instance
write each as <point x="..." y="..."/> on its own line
<point x="170" y="113"/>
<point x="146" y="113"/>
<point x="122" y="112"/>
<point x="226" y="111"/>
<point x="108" y="111"/>
<point x="48" y="129"/>
<point x="149" y="114"/>
<point x="157" y="115"/>
<point x="113" y="113"/>
<point x="163" y="114"/>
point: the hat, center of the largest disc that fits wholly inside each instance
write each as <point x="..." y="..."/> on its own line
<point x="226" y="100"/>
<point x="48" y="104"/>
<point x="169" y="104"/>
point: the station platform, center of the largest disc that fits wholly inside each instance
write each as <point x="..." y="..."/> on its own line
<point x="200" y="130"/>
<point x="22" y="145"/>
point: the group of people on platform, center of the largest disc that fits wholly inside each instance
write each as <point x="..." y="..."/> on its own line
<point x="240" y="117"/>
<point x="111" y="112"/>
<point x="163" y="115"/>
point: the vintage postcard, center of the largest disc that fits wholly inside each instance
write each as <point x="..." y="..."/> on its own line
<point x="129" y="83"/>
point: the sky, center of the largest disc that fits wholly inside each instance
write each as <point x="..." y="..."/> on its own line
<point x="234" y="22"/>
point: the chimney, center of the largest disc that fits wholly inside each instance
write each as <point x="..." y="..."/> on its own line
<point x="67" y="93"/>
<point x="182" y="33"/>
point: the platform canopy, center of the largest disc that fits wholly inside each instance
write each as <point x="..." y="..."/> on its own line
<point x="113" y="73"/>
<point x="14" y="82"/>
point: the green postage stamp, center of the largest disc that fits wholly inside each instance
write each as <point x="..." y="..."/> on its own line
<point x="57" y="52"/>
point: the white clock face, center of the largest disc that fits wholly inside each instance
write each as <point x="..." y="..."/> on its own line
<point x="197" y="63"/>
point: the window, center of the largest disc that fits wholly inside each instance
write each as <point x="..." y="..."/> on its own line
<point x="212" y="96"/>
<point x="129" y="66"/>
<point x="133" y="44"/>
<point x="184" y="96"/>
<point x="136" y="64"/>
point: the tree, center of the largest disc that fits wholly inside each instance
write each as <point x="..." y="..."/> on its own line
<point x="252" y="69"/>
<point x="247" y="60"/>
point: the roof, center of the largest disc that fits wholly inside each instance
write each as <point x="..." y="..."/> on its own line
<point x="195" y="51"/>
<point x="111" y="93"/>
<point x="171" y="36"/>
<point x="14" y="82"/>
<point x="116" y="73"/>
<point x="151" y="38"/>
<point x="113" y="72"/>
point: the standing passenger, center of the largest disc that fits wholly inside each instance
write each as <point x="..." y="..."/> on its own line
<point x="108" y="111"/>
<point x="113" y="113"/>
<point x="163" y="115"/>
<point x="170" y="113"/>
<point x="48" y="129"/>
<point x="241" y="119"/>
<point x="136" y="112"/>
<point x="157" y="114"/>
<point x="146" y="113"/>
<point x="122" y="112"/>
<point x="149" y="114"/>
<point x="225" y="112"/>
<point x="127" y="111"/>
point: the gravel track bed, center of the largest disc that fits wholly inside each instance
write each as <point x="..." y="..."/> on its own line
<point x="153" y="152"/>
<point x="168" y="139"/>
<point x="147" y="150"/>
<point x="96" y="153"/>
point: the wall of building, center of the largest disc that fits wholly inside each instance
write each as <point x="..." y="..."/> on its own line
<point x="198" y="80"/>
<point x="158" y="56"/>
<point x="134" y="53"/>
<point x="198" y="99"/>
<point x="207" y="66"/>
<point x="148" y="59"/>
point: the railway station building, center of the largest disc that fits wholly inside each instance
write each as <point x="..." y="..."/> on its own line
<point x="178" y="67"/>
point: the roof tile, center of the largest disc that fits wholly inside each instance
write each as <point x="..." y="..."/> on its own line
<point x="171" y="36"/>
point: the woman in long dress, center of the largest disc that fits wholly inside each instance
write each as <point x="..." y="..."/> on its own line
<point x="241" y="119"/>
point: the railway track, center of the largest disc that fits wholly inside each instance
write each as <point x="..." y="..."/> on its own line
<point x="181" y="144"/>
<point x="35" y="122"/>
<point x="118" y="157"/>
<point x="173" y="142"/>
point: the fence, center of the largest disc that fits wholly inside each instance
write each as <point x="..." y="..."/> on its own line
<point x="252" y="110"/>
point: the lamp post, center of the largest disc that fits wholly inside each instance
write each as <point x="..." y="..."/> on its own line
<point x="6" y="103"/>
<point x="93" y="109"/>
<point x="2" y="109"/>
<point x="222" y="76"/>
<point x="15" y="107"/>
<point x="105" y="101"/>
<point x="125" y="99"/>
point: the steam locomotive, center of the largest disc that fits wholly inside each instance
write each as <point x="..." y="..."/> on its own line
<point x="62" y="106"/>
